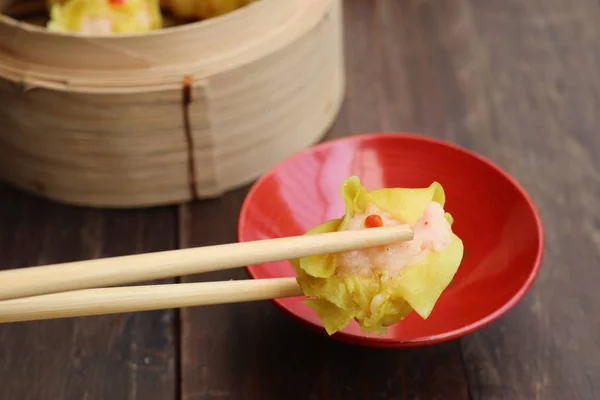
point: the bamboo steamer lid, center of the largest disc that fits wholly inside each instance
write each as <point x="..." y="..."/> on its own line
<point x="178" y="114"/>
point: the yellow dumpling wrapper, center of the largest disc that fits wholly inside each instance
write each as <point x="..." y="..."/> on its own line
<point x="377" y="300"/>
<point x="104" y="16"/>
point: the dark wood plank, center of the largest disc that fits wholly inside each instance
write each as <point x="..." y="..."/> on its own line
<point x="516" y="81"/>
<point x="543" y="98"/>
<point x="126" y="356"/>
<point x="237" y="351"/>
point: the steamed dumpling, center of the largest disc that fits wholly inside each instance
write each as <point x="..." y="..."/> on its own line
<point x="203" y="9"/>
<point x="378" y="287"/>
<point x="101" y="17"/>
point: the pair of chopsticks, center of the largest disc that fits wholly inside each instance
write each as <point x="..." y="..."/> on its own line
<point x="83" y="288"/>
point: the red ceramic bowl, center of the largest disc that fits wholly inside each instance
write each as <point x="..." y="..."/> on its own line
<point x="494" y="216"/>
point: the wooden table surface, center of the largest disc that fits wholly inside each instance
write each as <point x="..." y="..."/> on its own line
<point x="516" y="80"/>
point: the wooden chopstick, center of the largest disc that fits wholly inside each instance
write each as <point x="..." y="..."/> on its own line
<point x="113" y="271"/>
<point x="87" y="302"/>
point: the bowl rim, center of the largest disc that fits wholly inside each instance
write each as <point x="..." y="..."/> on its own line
<point x="374" y="341"/>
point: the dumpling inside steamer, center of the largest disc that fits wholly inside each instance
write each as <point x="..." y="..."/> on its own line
<point x="109" y="17"/>
<point x="104" y="17"/>
<point x="380" y="286"/>
<point x="203" y="9"/>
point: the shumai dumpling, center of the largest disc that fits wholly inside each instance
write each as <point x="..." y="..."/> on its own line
<point x="203" y="9"/>
<point x="380" y="286"/>
<point x="104" y="17"/>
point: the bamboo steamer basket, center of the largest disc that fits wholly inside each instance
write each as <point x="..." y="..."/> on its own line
<point x="187" y="112"/>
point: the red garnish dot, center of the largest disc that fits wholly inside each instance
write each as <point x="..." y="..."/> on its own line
<point x="116" y="2"/>
<point x="373" y="221"/>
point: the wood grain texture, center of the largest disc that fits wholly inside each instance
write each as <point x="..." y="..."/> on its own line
<point x="544" y="103"/>
<point x="516" y="81"/>
<point x="237" y="351"/>
<point x="128" y="356"/>
<point x="99" y="121"/>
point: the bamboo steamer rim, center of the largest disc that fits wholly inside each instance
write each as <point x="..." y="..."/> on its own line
<point x="130" y="134"/>
<point x="158" y="60"/>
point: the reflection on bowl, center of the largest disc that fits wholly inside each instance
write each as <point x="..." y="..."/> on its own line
<point x="494" y="216"/>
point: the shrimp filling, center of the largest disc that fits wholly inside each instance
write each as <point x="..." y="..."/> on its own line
<point x="432" y="232"/>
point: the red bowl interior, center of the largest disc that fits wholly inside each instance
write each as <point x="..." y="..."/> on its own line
<point x="497" y="221"/>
